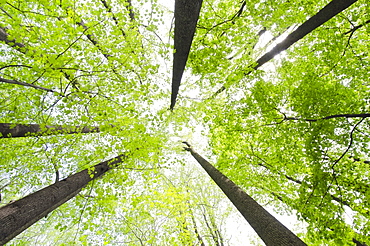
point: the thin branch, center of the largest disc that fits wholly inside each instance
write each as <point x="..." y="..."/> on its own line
<point x="237" y="14"/>
<point x="356" y="27"/>
<point x="130" y="10"/>
<point x="92" y="39"/>
<point x="15" y="82"/>
<point x="330" y="117"/>
<point x="109" y="9"/>
<point x="11" y="17"/>
<point x="83" y="210"/>
<point x="20" y="65"/>
<point x="350" y="143"/>
<point x="35" y="13"/>
<point x="11" y="42"/>
<point x="70" y="45"/>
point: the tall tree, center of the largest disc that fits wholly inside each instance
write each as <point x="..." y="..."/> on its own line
<point x="324" y="15"/>
<point x="55" y="72"/>
<point x="98" y="63"/>
<point x="19" y="215"/>
<point x="8" y="130"/>
<point x="269" y="229"/>
<point x="186" y="18"/>
<point x="321" y="78"/>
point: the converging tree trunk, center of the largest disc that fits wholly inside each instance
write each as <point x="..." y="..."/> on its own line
<point x="186" y="18"/>
<point x="268" y="228"/>
<point x="9" y="130"/>
<point x="325" y="14"/>
<point x="19" y="215"/>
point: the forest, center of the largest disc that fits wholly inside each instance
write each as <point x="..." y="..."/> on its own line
<point x="185" y="122"/>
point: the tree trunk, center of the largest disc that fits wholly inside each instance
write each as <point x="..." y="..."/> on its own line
<point x="268" y="228"/>
<point x="325" y="14"/>
<point x="9" y="130"/>
<point x="19" y="215"/>
<point x="186" y="18"/>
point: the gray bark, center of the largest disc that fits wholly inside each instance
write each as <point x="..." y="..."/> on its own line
<point x="325" y="14"/>
<point x="19" y="215"/>
<point x="186" y="18"/>
<point x="268" y="228"/>
<point x="9" y="130"/>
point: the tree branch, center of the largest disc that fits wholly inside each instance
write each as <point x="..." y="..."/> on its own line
<point x="15" y="82"/>
<point x="350" y="143"/>
<point x="356" y="27"/>
<point x="365" y="115"/>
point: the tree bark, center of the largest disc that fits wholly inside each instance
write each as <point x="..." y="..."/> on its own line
<point x="9" y="130"/>
<point x="325" y="14"/>
<point x="19" y="215"/>
<point x="186" y="18"/>
<point x="268" y="228"/>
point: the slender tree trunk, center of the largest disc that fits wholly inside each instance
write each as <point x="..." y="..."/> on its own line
<point x="9" y="130"/>
<point x="19" y="215"/>
<point x="186" y="18"/>
<point x="325" y="14"/>
<point x="199" y="237"/>
<point x="269" y="229"/>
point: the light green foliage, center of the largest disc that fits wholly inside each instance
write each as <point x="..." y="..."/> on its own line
<point x="109" y="70"/>
<point x="101" y="74"/>
<point x="102" y="68"/>
<point x="315" y="168"/>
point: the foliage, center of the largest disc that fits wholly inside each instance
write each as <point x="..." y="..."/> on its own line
<point x="268" y="129"/>
<point x="95" y="63"/>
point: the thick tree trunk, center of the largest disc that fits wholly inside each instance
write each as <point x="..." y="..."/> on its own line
<point x="19" y="215"/>
<point x="325" y="14"/>
<point x="9" y="130"/>
<point x="186" y="18"/>
<point x="269" y="229"/>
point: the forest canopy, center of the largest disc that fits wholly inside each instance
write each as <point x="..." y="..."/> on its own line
<point x="82" y="82"/>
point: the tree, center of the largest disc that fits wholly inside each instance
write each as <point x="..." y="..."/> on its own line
<point x="70" y="65"/>
<point x="108" y="62"/>
<point x="269" y="229"/>
<point x="19" y="215"/>
<point x="293" y="116"/>
<point x="325" y="14"/>
<point x="8" y="130"/>
<point x="186" y="17"/>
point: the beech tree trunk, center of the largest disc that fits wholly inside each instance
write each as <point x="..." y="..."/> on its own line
<point x="268" y="228"/>
<point x="325" y="14"/>
<point x="9" y="130"/>
<point x="186" y="18"/>
<point x="17" y="216"/>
